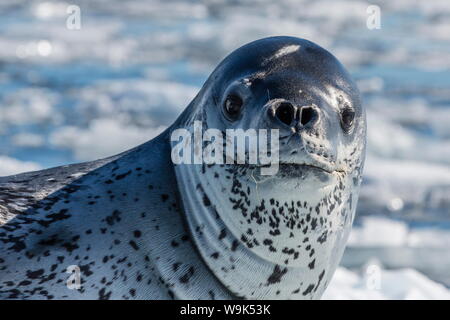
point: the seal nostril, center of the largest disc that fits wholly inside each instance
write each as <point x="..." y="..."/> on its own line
<point x="285" y="113"/>
<point x="307" y="115"/>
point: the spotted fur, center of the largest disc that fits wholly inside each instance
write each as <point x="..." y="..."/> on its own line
<point x="140" y="228"/>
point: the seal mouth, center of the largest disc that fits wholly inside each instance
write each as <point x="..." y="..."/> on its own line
<point x="304" y="166"/>
<point x="312" y="166"/>
<point x="312" y="162"/>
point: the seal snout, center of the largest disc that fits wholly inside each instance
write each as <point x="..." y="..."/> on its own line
<point x="296" y="117"/>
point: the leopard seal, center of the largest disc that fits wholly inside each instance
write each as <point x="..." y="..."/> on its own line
<point x="136" y="226"/>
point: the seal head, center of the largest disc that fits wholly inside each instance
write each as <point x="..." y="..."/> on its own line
<point x="277" y="236"/>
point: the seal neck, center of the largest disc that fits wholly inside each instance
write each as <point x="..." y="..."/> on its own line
<point x="259" y="263"/>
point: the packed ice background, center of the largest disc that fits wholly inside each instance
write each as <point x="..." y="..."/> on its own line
<point x="76" y="95"/>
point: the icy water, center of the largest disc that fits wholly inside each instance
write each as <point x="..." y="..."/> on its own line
<point x="75" y="95"/>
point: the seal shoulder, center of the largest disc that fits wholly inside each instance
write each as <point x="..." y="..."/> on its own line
<point x="21" y="191"/>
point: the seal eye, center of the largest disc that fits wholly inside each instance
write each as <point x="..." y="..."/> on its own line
<point x="232" y="106"/>
<point x="347" y="117"/>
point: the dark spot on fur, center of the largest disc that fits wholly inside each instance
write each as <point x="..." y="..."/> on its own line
<point x="133" y="245"/>
<point x="215" y="255"/>
<point x="187" y="276"/>
<point x="35" y="274"/>
<point x="113" y="218"/>
<point x="123" y="175"/>
<point x="277" y="274"/>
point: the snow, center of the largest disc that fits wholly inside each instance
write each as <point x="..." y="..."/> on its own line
<point x="384" y="232"/>
<point x="10" y="166"/>
<point x="103" y="137"/>
<point x="377" y="283"/>
<point x="26" y="139"/>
